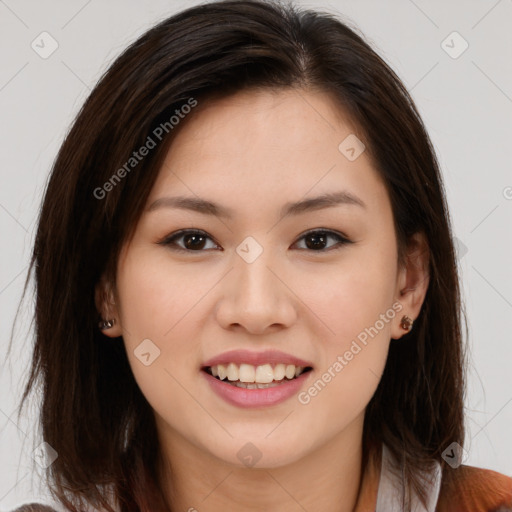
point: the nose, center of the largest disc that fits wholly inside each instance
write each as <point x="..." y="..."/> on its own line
<point x="256" y="297"/>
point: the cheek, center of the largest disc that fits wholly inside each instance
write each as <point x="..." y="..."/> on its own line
<point x="159" y="316"/>
<point x="355" y="307"/>
<point x="157" y="297"/>
<point x="353" y="297"/>
<point x="353" y="355"/>
<point x="354" y="349"/>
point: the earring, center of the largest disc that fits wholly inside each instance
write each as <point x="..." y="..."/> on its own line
<point x="406" y="323"/>
<point x="106" y="324"/>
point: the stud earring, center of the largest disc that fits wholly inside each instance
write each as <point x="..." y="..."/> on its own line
<point x="406" y="323"/>
<point x="106" y="324"/>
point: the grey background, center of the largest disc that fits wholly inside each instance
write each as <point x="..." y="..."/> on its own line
<point x="466" y="104"/>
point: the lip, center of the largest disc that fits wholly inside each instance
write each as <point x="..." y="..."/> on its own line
<point x="250" y="398"/>
<point x="256" y="358"/>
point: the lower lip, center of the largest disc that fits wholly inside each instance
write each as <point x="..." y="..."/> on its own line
<point x="246" y="398"/>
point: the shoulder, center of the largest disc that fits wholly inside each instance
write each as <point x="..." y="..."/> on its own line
<point x="473" y="489"/>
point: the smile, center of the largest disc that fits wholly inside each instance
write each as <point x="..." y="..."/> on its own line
<point x="249" y="376"/>
<point x="256" y="394"/>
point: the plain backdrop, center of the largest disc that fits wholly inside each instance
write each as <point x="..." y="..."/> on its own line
<point x="461" y="83"/>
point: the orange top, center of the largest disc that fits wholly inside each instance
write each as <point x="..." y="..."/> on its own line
<point x="464" y="489"/>
<point x="476" y="490"/>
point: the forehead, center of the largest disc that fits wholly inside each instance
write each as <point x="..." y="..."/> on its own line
<point x="259" y="144"/>
<point x="280" y="120"/>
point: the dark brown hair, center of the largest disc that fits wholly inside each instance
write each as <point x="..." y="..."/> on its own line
<point x="34" y="507"/>
<point x="93" y="413"/>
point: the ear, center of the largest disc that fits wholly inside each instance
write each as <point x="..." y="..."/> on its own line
<point x="412" y="281"/>
<point x="104" y="298"/>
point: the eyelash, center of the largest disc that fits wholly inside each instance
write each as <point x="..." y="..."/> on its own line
<point x="169" y="241"/>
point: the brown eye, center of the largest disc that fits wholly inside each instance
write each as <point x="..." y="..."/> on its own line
<point x="196" y="240"/>
<point x="316" y="240"/>
<point x="193" y="240"/>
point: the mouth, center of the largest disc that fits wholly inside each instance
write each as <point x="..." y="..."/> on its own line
<point x="249" y="376"/>
<point x="249" y="379"/>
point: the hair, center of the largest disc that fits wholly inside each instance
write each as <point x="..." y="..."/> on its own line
<point x="34" y="507"/>
<point x="93" y="413"/>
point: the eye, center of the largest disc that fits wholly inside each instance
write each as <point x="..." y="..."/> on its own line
<point x="194" y="240"/>
<point x="316" y="239"/>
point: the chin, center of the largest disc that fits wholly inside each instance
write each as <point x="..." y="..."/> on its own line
<point x="260" y="453"/>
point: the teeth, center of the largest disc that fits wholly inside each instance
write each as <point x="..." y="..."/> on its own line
<point x="264" y="374"/>
<point x="232" y="371"/>
<point x="247" y="374"/>
<point x="290" y="371"/>
<point x="279" y="371"/>
<point x="253" y="385"/>
<point x="221" y="369"/>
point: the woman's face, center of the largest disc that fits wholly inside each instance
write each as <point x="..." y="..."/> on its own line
<point x="253" y="281"/>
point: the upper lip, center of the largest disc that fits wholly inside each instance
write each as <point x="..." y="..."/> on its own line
<point x="256" y="358"/>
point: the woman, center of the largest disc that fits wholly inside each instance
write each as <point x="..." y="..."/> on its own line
<point x="247" y="294"/>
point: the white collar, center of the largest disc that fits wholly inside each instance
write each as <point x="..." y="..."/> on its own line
<point x="389" y="497"/>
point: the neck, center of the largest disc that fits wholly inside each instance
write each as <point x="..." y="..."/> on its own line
<point x="329" y="478"/>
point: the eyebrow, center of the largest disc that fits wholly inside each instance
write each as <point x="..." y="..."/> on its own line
<point x="203" y="206"/>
